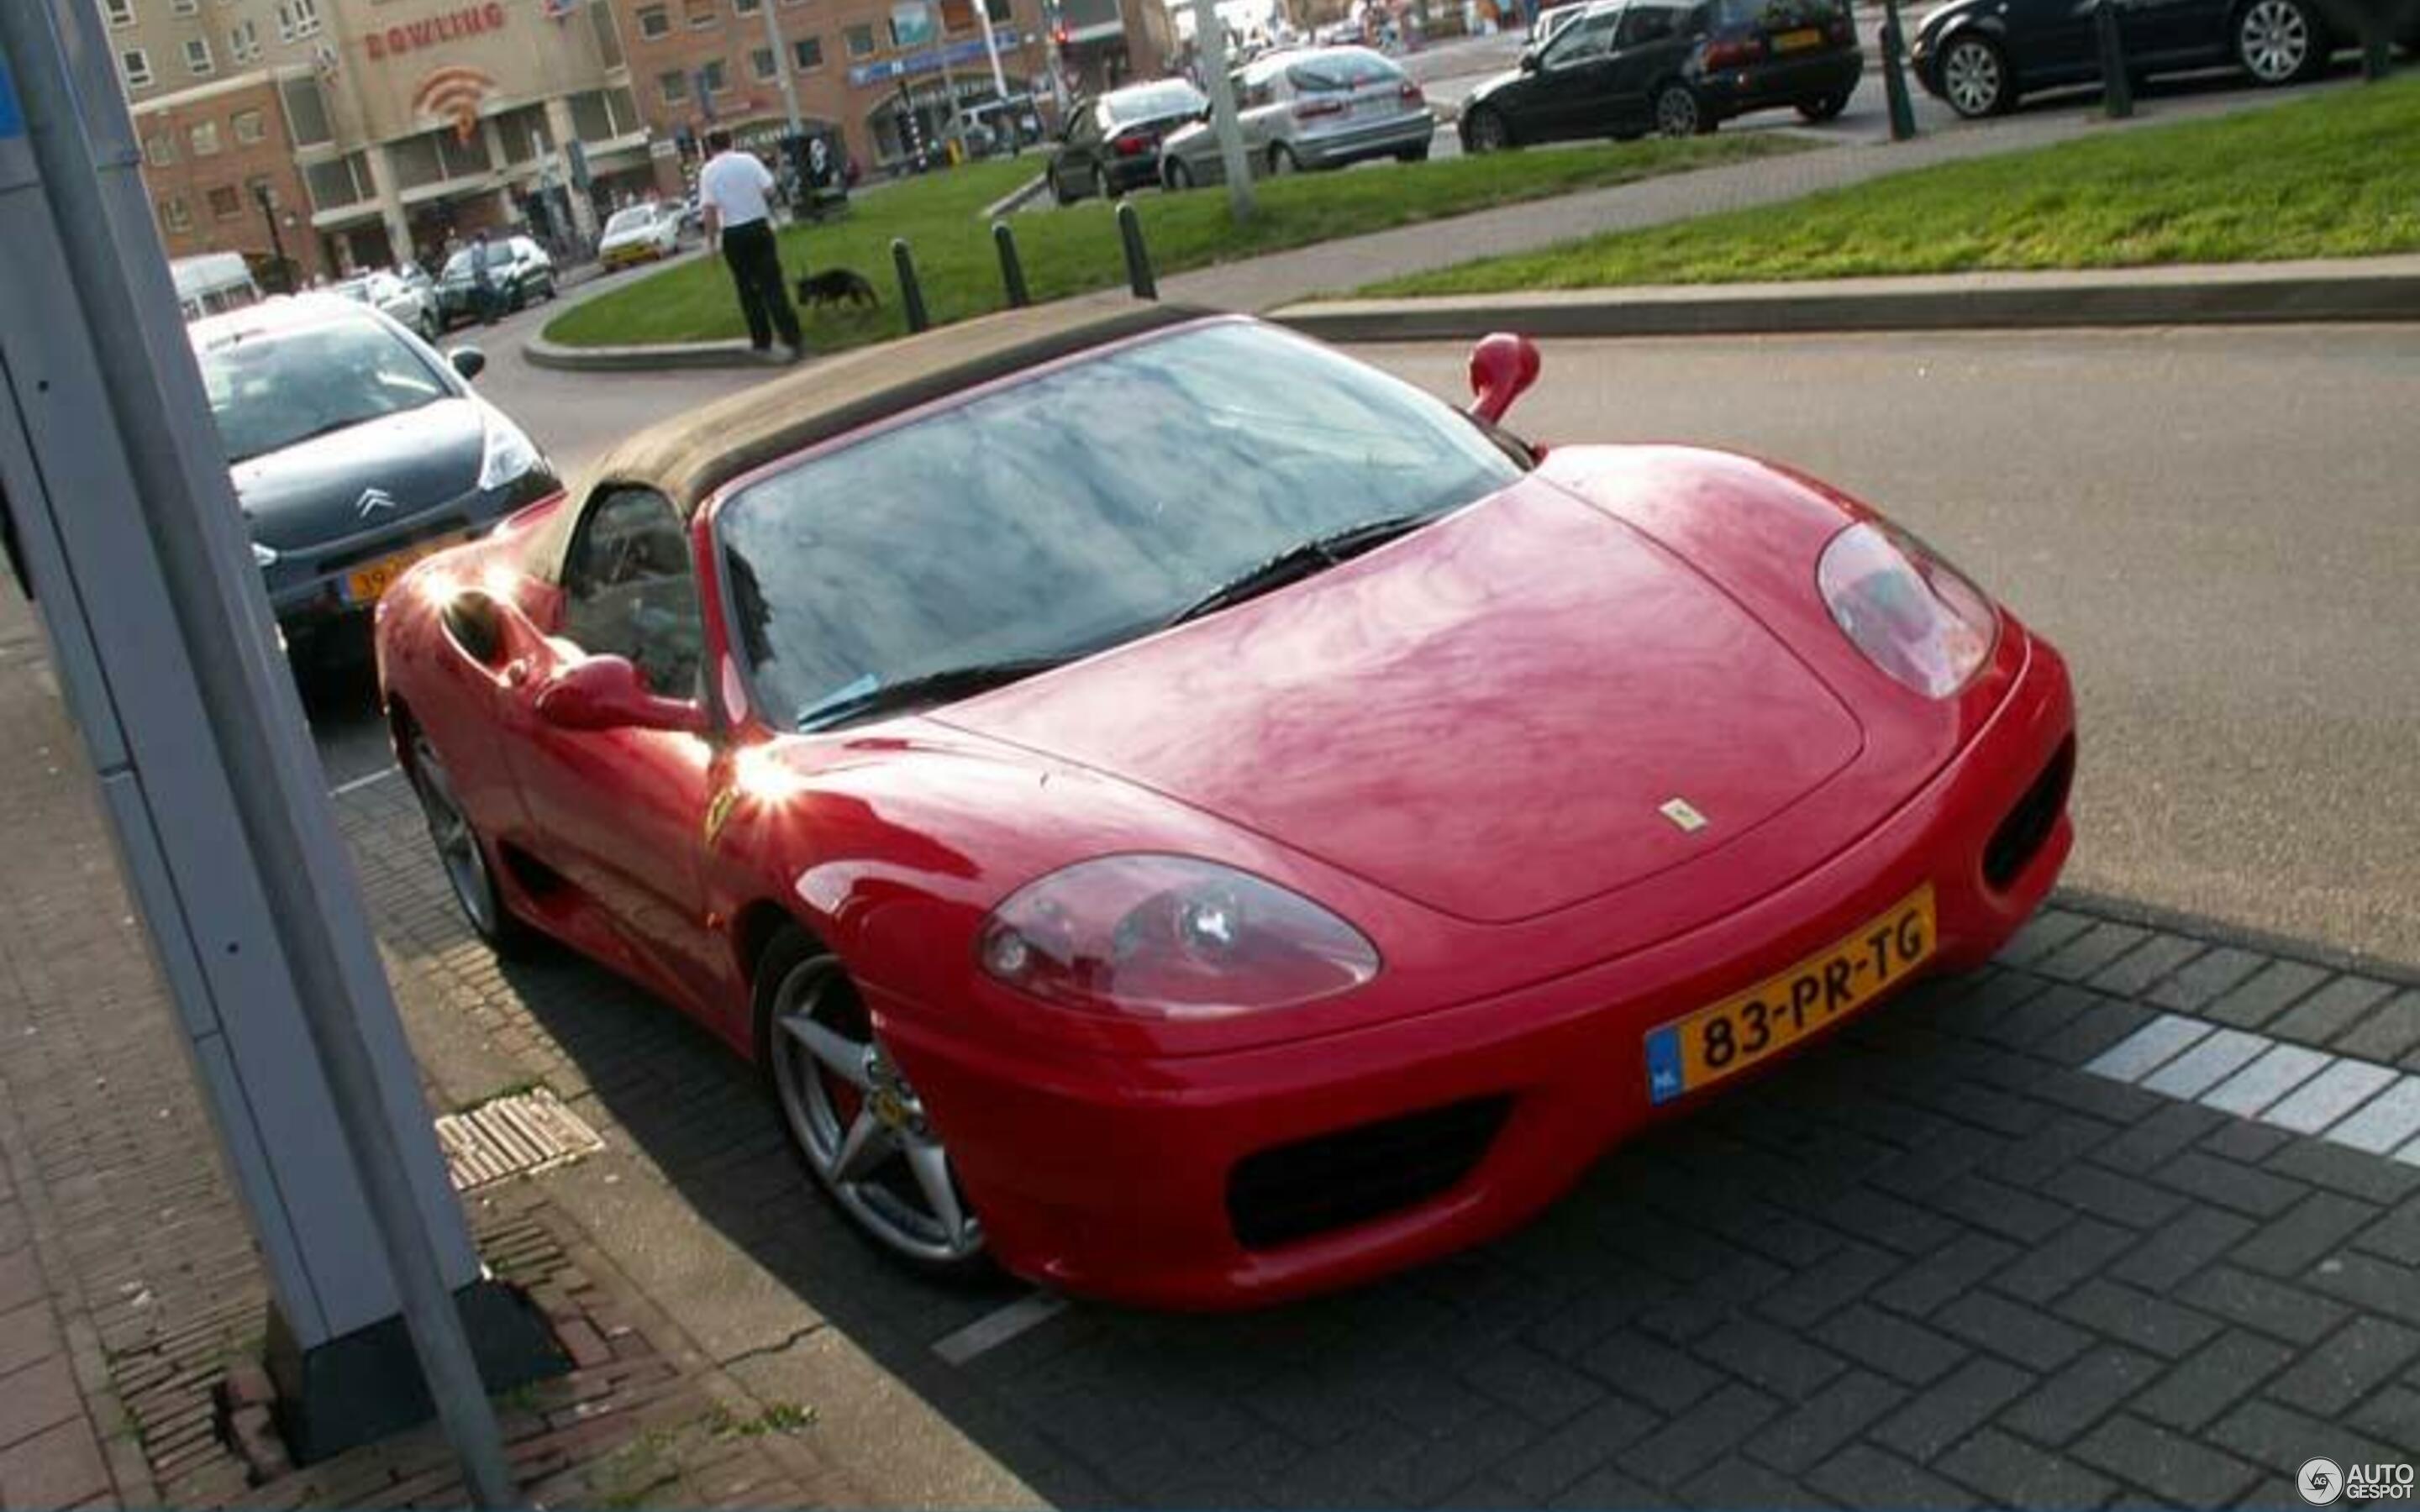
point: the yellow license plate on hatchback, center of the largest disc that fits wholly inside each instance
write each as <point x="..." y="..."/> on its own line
<point x="1797" y="41"/>
<point x="1730" y="1036"/>
<point x="366" y="585"/>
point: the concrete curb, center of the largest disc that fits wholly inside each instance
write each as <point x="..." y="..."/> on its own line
<point x="1010" y="203"/>
<point x="2351" y="289"/>
<point x="539" y="352"/>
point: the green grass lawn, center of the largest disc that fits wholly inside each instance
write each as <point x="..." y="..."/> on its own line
<point x="2333" y="177"/>
<point x="1074" y="250"/>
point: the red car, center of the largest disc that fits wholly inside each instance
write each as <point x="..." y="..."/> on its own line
<point x="1198" y="820"/>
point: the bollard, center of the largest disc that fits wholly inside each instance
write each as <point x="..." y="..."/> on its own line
<point x="1138" y="256"/>
<point x="2377" y="44"/>
<point x="2116" y="90"/>
<point x="1902" y="114"/>
<point x="1012" y="272"/>
<point x="911" y="293"/>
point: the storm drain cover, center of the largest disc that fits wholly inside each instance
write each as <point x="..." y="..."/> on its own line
<point x="512" y="1135"/>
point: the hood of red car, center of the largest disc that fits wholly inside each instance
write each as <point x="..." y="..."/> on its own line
<point x="1515" y="709"/>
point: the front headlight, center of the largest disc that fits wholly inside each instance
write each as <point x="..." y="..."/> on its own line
<point x="1169" y="937"/>
<point x="509" y="454"/>
<point x="263" y="557"/>
<point x="1913" y="614"/>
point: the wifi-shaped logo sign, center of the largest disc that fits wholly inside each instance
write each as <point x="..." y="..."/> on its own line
<point x="452" y="94"/>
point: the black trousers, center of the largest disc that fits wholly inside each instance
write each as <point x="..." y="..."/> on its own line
<point x="756" y="261"/>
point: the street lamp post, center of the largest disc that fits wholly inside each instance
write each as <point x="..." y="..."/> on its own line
<point x="1210" y="35"/>
<point x="276" y="242"/>
<point x="781" y="65"/>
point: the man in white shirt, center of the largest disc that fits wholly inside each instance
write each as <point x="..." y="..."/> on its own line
<point x="731" y="197"/>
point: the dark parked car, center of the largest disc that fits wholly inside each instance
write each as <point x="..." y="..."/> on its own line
<point x="355" y="450"/>
<point x="518" y="273"/>
<point x="1112" y="144"/>
<point x="1980" y="55"/>
<point x="1628" y="67"/>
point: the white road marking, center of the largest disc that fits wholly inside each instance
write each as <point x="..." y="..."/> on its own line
<point x="994" y="1329"/>
<point x="2357" y="1103"/>
<point x="359" y="782"/>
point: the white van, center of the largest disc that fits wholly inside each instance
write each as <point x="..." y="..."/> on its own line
<point x="213" y="281"/>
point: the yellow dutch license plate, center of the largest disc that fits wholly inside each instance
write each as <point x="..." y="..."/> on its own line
<point x="1740" y="1031"/>
<point x="1797" y="41"/>
<point x="365" y="584"/>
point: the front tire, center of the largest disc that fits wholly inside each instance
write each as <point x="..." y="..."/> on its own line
<point x="1679" y="113"/>
<point x="2278" y="43"/>
<point x="1822" y="108"/>
<point x="1488" y="132"/>
<point x="858" y="1126"/>
<point x="1974" y="78"/>
<point x="1281" y="162"/>
<point x="1180" y="178"/>
<point x="1059" y="194"/>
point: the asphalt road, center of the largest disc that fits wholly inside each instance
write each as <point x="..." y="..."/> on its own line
<point x="2219" y="528"/>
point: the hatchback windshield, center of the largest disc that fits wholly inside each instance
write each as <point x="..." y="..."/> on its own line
<point x="271" y="390"/>
<point x="637" y="217"/>
<point x="1076" y="509"/>
<point x="1346" y="68"/>
<point x="1152" y="101"/>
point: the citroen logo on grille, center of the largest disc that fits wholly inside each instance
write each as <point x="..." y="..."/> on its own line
<point x="372" y="501"/>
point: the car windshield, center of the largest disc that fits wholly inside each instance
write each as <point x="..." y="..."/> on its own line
<point x="1152" y="101"/>
<point x="270" y="390"/>
<point x="1077" y="509"/>
<point x="635" y="219"/>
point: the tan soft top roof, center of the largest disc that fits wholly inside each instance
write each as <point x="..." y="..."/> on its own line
<point x="689" y="457"/>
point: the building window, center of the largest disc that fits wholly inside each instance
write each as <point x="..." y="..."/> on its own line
<point x="205" y="139"/>
<point x="243" y="41"/>
<point x="859" y="40"/>
<point x="807" y="54"/>
<point x="297" y="19"/>
<point x="306" y="112"/>
<point x="121" y="12"/>
<point x="746" y="8"/>
<point x="136" y="65"/>
<point x="176" y="214"/>
<point x="344" y="181"/>
<point x="226" y="203"/>
<point x="713" y="77"/>
<point x="160" y="150"/>
<point x="1001" y="11"/>
<point x="761" y="64"/>
<point x="701" y="15"/>
<point x="197" y="56"/>
<point x="249" y="126"/>
<point x="655" y="22"/>
<point x="673" y="87"/>
<point x="186" y="7"/>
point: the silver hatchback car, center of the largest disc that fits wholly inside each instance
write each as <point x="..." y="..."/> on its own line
<point x="1320" y="107"/>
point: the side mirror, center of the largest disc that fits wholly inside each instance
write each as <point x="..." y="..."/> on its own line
<point x="1529" y="61"/>
<point x="468" y="360"/>
<point x="608" y="693"/>
<point x="1502" y="367"/>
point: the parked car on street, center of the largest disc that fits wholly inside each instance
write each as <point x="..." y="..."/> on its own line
<point x="411" y="305"/>
<point x="1200" y="820"/>
<point x="1110" y="143"/>
<point x="355" y="451"/>
<point x="1982" y="56"/>
<point x="641" y="234"/>
<point x="1318" y="108"/>
<point x="1625" y="68"/>
<point x="210" y="282"/>
<point x="518" y="273"/>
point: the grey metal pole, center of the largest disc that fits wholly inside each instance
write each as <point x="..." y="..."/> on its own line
<point x="782" y="66"/>
<point x="2117" y="89"/>
<point x="275" y="792"/>
<point x="1210" y="40"/>
<point x="1902" y="114"/>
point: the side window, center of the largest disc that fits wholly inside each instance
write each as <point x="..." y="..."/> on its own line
<point x="1585" y="39"/>
<point x="1641" y="24"/>
<point x="630" y="589"/>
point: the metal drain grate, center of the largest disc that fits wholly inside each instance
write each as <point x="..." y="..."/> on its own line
<point x="512" y="1136"/>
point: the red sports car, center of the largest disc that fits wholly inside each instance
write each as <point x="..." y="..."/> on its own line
<point x="1197" y="820"/>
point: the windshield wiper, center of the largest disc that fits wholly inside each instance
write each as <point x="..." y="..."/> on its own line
<point x="1302" y="559"/>
<point x="311" y="435"/>
<point x="865" y="697"/>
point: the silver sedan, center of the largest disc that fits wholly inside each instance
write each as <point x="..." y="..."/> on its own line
<point x="1320" y="107"/>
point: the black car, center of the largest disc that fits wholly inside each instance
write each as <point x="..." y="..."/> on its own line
<point x="355" y="450"/>
<point x="1979" y="55"/>
<point x="1112" y="144"/>
<point x="1625" y="68"/>
<point x="518" y="273"/>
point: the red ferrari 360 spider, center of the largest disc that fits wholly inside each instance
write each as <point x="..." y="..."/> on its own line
<point x="1197" y="820"/>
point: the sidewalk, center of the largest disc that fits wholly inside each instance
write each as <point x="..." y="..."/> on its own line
<point x="132" y="1305"/>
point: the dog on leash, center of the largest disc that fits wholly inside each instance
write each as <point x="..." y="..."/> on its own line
<point x="836" y="286"/>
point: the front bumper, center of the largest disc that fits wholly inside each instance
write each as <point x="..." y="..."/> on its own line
<point x="1125" y="1179"/>
<point x="311" y="589"/>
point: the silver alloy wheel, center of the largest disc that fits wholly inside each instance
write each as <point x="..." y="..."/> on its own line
<point x="1971" y="77"/>
<point x="457" y="844"/>
<point x="2274" y="39"/>
<point x="870" y="1144"/>
<point x="1487" y="132"/>
<point x="1676" y="112"/>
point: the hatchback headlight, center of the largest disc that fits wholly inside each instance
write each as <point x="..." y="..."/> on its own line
<point x="1169" y="937"/>
<point x="1913" y="614"/>
<point x="509" y="454"/>
<point x="263" y="557"/>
